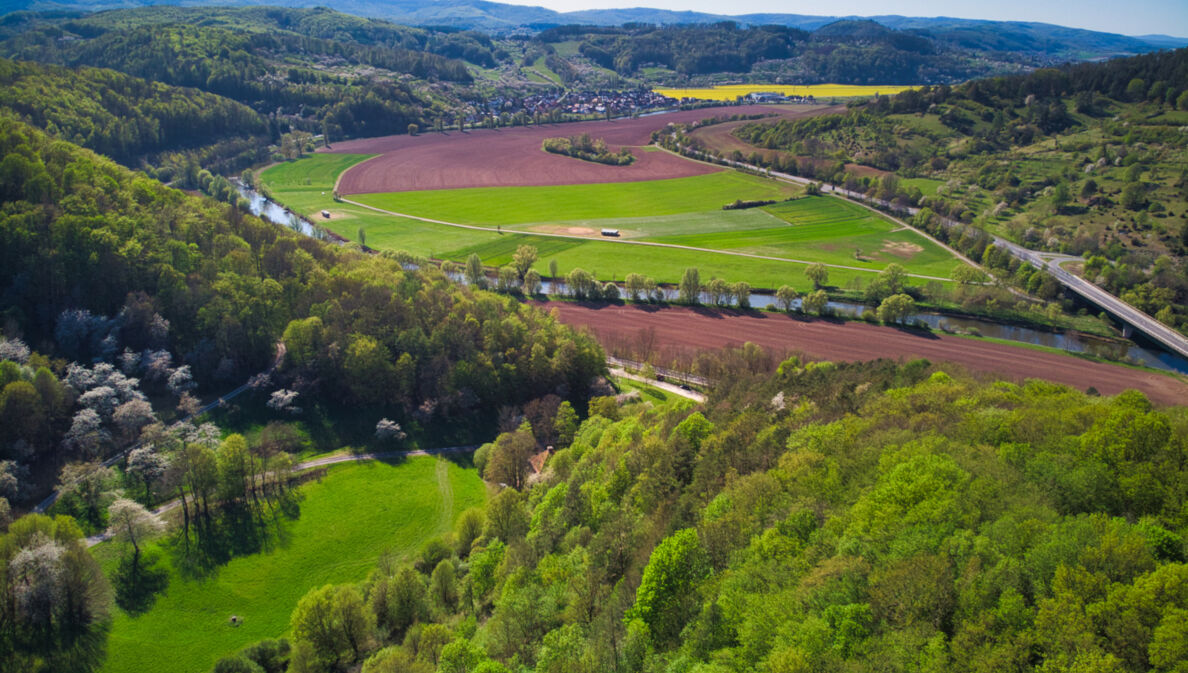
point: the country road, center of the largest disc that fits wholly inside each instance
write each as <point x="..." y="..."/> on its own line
<point x="1048" y="261"/>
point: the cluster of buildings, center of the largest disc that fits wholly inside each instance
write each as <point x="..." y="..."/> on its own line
<point x="581" y="103"/>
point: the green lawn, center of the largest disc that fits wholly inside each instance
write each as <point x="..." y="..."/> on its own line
<point x="562" y="203"/>
<point x="347" y="520"/>
<point x="825" y="229"/>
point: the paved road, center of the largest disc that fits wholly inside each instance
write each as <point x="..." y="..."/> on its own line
<point x="662" y="385"/>
<point x="1047" y="261"/>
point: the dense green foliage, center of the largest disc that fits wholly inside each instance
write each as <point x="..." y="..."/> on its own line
<point x="55" y="610"/>
<point x="588" y="149"/>
<point x="843" y="52"/>
<point x="128" y="118"/>
<point x="1086" y="160"/>
<point x="311" y="69"/>
<point x="96" y="260"/>
<point x="829" y="518"/>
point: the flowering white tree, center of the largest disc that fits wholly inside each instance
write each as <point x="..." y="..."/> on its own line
<point x="86" y="434"/>
<point x="181" y="381"/>
<point x="282" y="400"/>
<point x="128" y="520"/>
<point x="14" y="349"/>
<point x="389" y="431"/>
<point x="133" y="415"/>
<point x="148" y="466"/>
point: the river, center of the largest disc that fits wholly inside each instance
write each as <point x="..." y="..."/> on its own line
<point x="1124" y="350"/>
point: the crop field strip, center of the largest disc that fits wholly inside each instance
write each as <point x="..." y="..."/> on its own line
<point x="770" y="267"/>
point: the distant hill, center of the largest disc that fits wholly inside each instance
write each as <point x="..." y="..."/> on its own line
<point x="1055" y="41"/>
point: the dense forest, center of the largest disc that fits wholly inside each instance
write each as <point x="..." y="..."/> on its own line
<point x="821" y="517"/>
<point x="317" y="79"/>
<point x="115" y="283"/>
<point x="131" y="119"/>
<point x="1087" y="160"/>
<point x="844" y="52"/>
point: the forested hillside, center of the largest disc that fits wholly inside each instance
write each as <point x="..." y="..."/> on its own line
<point x="131" y="119"/>
<point x="820" y="518"/>
<point x="844" y="52"/>
<point x="115" y="282"/>
<point x="303" y="69"/>
<point x="1087" y="160"/>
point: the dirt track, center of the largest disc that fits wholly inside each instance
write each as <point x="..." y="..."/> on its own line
<point x="856" y="341"/>
<point x="511" y="157"/>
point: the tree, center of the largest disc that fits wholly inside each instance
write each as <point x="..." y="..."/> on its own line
<point x="443" y="585"/>
<point x="666" y="598"/>
<point x="506" y="518"/>
<point x="553" y="270"/>
<point x="508" y="462"/>
<point x="400" y="601"/>
<point x="523" y="259"/>
<point x="818" y="273"/>
<point x="968" y="275"/>
<point x="468" y="529"/>
<point x="506" y="280"/>
<point x="133" y="415"/>
<point x="148" y="466"/>
<point x="1134" y="196"/>
<point x="786" y="295"/>
<point x="690" y="287"/>
<point x="742" y="293"/>
<point x="129" y="521"/>
<point x="815" y="302"/>
<point x="893" y="277"/>
<point x="331" y="627"/>
<point x="474" y="271"/>
<point x="532" y="283"/>
<point x="896" y="307"/>
<point x="582" y="284"/>
<point x="389" y="431"/>
<point x="634" y="284"/>
<point x="565" y="424"/>
<point x="57" y="599"/>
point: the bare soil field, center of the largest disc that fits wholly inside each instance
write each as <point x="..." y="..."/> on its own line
<point x="512" y="157"/>
<point x="856" y="341"/>
<point x="721" y="137"/>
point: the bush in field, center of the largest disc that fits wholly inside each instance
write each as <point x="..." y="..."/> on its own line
<point x="587" y="149"/>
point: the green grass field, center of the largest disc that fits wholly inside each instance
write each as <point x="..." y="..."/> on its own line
<point x="816" y="229"/>
<point x="562" y="203"/>
<point x="347" y="520"/>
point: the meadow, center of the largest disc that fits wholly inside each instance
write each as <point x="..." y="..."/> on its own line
<point x="730" y="92"/>
<point x="559" y="203"/>
<point x="818" y="229"/>
<point x="366" y="509"/>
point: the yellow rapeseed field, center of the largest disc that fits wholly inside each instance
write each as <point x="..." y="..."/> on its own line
<point x="730" y="92"/>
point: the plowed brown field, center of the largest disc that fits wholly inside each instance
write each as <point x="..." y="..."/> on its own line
<point x="512" y="157"/>
<point x="857" y="341"/>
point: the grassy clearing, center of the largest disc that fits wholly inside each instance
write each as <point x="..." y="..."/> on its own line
<point x="364" y="509"/>
<point x="647" y="393"/>
<point x="492" y="206"/>
<point x="729" y="92"/>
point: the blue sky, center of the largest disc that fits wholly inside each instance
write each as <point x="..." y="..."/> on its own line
<point x="1129" y="17"/>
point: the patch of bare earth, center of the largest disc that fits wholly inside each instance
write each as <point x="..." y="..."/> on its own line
<point x="688" y="328"/>
<point x="510" y="157"/>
